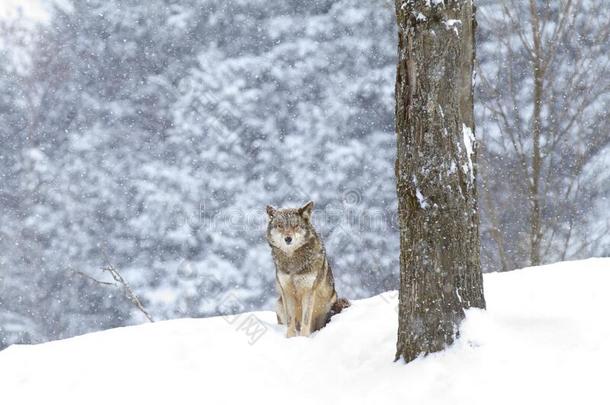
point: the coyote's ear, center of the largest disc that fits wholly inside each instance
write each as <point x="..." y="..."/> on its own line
<point x="306" y="209"/>
<point x="270" y="211"/>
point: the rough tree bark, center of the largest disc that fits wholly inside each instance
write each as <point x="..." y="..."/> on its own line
<point x="440" y="273"/>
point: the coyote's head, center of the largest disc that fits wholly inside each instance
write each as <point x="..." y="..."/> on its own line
<point x="290" y="228"/>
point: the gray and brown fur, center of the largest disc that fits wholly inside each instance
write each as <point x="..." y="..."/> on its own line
<point x="303" y="276"/>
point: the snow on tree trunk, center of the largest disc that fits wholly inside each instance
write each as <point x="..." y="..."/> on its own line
<point x="440" y="273"/>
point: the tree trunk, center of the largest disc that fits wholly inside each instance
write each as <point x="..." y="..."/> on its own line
<point x="440" y="273"/>
<point x="534" y="186"/>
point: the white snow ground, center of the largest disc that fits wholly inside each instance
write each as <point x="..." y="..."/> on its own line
<point x="545" y="339"/>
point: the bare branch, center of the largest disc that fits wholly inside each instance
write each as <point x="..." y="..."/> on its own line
<point x="129" y="293"/>
<point x="120" y="282"/>
<point x="95" y="280"/>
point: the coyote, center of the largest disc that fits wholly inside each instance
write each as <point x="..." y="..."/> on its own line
<point x="303" y="277"/>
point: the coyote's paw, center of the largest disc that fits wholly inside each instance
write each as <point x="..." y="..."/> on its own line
<point x="292" y="332"/>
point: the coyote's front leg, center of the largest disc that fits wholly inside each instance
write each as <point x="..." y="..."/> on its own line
<point x="290" y="307"/>
<point x="280" y="310"/>
<point x="307" y="321"/>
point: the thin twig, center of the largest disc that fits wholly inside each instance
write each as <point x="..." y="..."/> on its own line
<point x="129" y="293"/>
<point x="95" y="280"/>
<point x="120" y="282"/>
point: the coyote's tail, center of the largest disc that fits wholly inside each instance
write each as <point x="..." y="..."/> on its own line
<point x="339" y="306"/>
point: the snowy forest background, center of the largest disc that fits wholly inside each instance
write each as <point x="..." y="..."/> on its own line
<point x="151" y="135"/>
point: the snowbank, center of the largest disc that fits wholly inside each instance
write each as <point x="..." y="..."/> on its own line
<point x="544" y="339"/>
